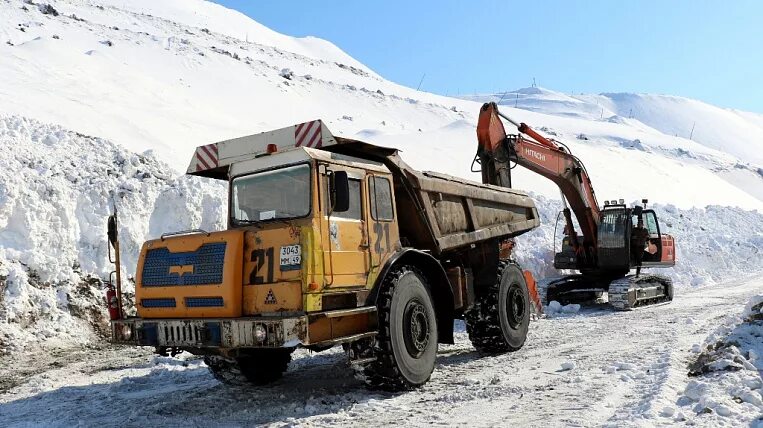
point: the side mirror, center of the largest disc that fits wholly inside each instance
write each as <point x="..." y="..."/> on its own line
<point x="340" y="191"/>
<point x="638" y="209"/>
<point x="112" y="229"/>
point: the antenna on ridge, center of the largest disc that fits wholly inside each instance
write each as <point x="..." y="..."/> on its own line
<point x="504" y="94"/>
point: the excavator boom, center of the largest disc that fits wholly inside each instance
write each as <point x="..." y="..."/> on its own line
<point x="547" y="158"/>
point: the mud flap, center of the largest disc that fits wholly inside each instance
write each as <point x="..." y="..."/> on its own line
<point x="532" y="288"/>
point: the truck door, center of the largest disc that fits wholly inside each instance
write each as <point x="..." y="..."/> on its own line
<point x="344" y="238"/>
<point x="383" y="232"/>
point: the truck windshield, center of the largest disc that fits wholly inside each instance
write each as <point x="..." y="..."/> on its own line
<point x="279" y="194"/>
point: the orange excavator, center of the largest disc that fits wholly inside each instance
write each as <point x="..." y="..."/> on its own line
<point x="613" y="239"/>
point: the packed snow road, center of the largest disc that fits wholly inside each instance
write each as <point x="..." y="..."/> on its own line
<point x="597" y="367"/>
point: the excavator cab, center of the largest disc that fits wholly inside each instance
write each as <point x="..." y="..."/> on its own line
<point x="631" y="237"/>
<point x="659" y="248"/>
<point x="614" y="238"/>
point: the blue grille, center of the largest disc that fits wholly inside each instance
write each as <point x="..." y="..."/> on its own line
<point x="207" y="264"/>
<point x="158" y="303"/>
<point x="203" y="302"/>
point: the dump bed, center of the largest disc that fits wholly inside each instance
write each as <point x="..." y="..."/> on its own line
<point x="437" y="212"/>
<point x="440" y="212"/>
<point x="461" y="213"/>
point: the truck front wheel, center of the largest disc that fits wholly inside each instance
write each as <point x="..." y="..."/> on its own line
<point x="258" y="366"/>
<point x="406" y="346"/>
<point x="499" y="320"/>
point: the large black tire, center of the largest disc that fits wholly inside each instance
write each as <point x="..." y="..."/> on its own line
<point x="265" y="365"/>
<point x="259" y="367"/>
<point x="499" y="320"/>
<point x="406" y="346"/>
<point x="225" y="370"/>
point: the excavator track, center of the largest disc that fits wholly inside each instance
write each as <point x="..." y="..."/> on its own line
<point x="570" y="289"/>
<point x="627" y="293"/>
<point x="633" y="291"/>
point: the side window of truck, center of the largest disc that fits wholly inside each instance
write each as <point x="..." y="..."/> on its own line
<point x="354" y="213"/>
<point x="381" y="199"/>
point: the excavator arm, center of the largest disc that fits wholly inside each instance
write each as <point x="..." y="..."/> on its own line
<point x="546" y="157"/>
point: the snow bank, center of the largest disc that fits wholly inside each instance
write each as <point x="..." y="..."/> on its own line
<point x="713" y="244"/>
<point x="727" y="388"/>
<point x="55" y="196"/>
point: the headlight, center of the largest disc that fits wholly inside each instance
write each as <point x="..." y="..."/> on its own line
<point x="260" y="333"/>
<point x="126" y="332"/>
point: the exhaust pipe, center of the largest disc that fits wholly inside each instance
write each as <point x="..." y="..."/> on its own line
<point x="114" y="295"/>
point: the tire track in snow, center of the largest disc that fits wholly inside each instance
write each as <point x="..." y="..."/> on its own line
<point x="628" y="367"/>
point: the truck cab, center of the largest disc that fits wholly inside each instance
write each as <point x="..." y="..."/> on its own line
<point x="288" y="251"/>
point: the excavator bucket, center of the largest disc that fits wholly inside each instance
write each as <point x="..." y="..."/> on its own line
<point x="532" y="288"/>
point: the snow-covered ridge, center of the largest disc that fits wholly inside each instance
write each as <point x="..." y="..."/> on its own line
<point x="728" y="142"/>
<point x="219" y="19"/>
<point x="158" y="76"/>
<point x="736" y="132"/>
<point x="170" y="82"/>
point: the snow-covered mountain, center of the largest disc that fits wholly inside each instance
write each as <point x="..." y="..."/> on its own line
<point x="683" y="129"/>
<point x="736" y="132"/>
<point x="111" y="95"/>
<point x="168" y="76"/>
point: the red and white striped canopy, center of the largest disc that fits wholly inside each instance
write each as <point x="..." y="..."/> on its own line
<point x="210" y="158"/>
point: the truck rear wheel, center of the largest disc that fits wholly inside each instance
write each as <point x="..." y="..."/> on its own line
<point x="406" y="346"/>
<point x="259" y="366"/>
<point x="499" y="320"/>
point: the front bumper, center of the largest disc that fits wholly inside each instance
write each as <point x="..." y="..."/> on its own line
<point x="255" y="332"/>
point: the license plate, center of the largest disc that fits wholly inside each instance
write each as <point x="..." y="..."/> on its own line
<point x="291" y="257"/>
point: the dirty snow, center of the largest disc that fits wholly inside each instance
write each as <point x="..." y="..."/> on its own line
<point x="593" y="368"/>
<point x="727" y="385"/>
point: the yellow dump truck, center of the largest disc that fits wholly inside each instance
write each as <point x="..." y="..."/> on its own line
<point x="332" y="241"/>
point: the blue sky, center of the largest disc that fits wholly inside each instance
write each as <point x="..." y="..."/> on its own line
<point x="708" y="50"/>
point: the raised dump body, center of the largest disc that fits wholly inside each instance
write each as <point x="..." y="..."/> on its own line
<point x="333" y="241"/>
